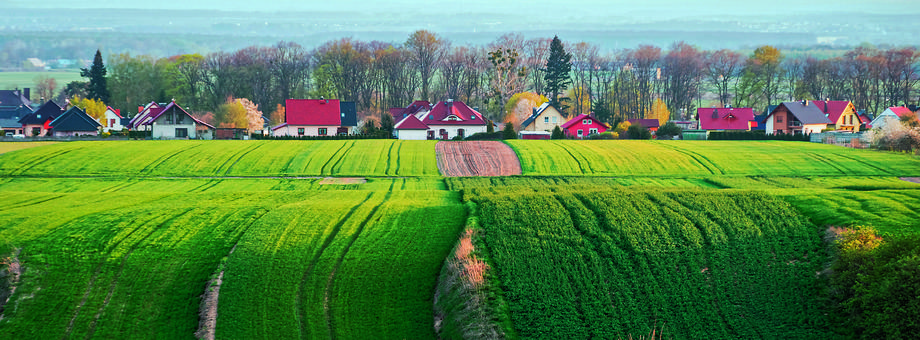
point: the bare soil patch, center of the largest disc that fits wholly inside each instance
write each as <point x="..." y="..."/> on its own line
<point x="477" y="158"/>
<point x="343" y="180"/>
<point x="911" y="179"/>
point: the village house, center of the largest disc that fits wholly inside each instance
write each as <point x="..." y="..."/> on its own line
<point x="112" y="120"/>
<point x="446" y="120"/>
<point x="410" y="128"/>
<point x="399" y="113"/>
<point x="842" y="114"/>
<point x="726" y="119"/>
<point x="138" y="122"/>
<point x="317" y="117"/>
<point x="544" y="118"/>
<point x="9" y="119"/>
<point x="583" y="126"/>
<point x="891" y="115"/>
<point x="37" y="124"/>
<point x="172" y="122"/>
<point x="74" y="122"/>
<point x="796" y="117"/>
<point x="650" y="124"/>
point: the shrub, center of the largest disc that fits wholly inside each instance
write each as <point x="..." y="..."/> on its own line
<point x="605" y="135"/>
<point x="557" y="133"/>
<point x="486" y="136"/>
<point x="508" y="132"/>
<point x="668" y="131"/>
<point x="638" y="131"/>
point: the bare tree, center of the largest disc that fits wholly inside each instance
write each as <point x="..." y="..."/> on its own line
<point x="45" y="86"/>
<point x="682" y="65"/>
<point x="427" y="51"/>
<point x="721" y="67"/>
<point x="535" y="53"/>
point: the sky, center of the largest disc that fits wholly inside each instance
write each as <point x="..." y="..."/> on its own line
<point x="678" y="8"/>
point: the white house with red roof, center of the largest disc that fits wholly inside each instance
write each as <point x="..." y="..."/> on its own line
<point x="173" y="122"/>
<point x="445" y="120"/>
<point x="112" y="120"/>
<point x="143" y="115"/>
<point x="726" y="119"/>
<point x="891" y="115"/>
<point x="583" y="125"/>
<point x="317" y="117"/>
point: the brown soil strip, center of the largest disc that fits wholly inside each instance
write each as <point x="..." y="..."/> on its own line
<point x="14" y="271"/>
<point x="343" y="180"/>
<point x="911" y="179"/>
<point x="477" y="158"/>
<point x="208" y="310"/>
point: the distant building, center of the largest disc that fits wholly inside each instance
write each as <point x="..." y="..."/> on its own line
<point x="112" y="120"/>
<point x="172" y="122"/>
<point x="583" y="126"/>
<point x="10" y="99"/>
<point x="445" y="120"/>
<point x="38" y="123"/>
<point x="891" y="115"/>
<point x="726" y="119"/>
<point x="651" y="124"/>
<point x="544" y="118"/>
<point x="74" y="122"/>
<point x="796" y="117"/>
<point x="317" y="117"/>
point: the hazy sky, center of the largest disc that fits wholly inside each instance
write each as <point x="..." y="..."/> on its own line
<point x="586" y="7"/>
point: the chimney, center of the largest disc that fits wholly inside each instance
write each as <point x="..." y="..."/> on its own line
<point x="25" y="93"/>
<point x="804" y="102"/>
<point x="450" y="105"/>
<point x="140" y="108"/>
<point x="825" y="104"/>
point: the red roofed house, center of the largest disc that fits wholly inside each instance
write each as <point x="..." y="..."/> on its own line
<point x="112" y="120"/>
<point x="583" y="125"/>
<point x="651" y="124"/>
<point x="316" y="117"/>
<point x="173" y="122"/>
<point x="416" y="107"/>
<point x="842" y="114"/>
<point x="447" y="119"/>
<point x="796" y="117"/>
<point x="143" y="116"/>
<point x="724" y="119"/>
<point x="891" y="115"/>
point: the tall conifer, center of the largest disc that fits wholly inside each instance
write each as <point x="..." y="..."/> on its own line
<point x="558" y="67"/>
<point x="98" y="89"/>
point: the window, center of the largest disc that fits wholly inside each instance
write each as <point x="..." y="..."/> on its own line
<point x="300" y="131"/>
<point x="430" y="134"/>
<point x="180" y="119"/>
<point x="111" y="122"/>
<point x="779" y="119"/>
<point x="554" y="120"/>
<point x="36" y="131"/>
<point x="586" y="121"/>
<point x="546" y="119"/>
<point x="579" y="133"/>
<point x="322" y="131"/>
<point x="592" y="131"/>
<point x="181" y="133"/>
<point x="461" y="133"/>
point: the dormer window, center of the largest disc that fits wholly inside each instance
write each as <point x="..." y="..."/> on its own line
<point x="586" y="121"/>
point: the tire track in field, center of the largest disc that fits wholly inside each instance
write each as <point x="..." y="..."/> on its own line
<point x="330" y="321"/>
<point x="40" y="160"/>
<point x="118" y="187"/>
<point x="322" y="170"/>
<point x="696" y="158"/>
<point x="162" y="159"/>
<point x="827" y="161"/>
<point x="239" y="158"/>
<point x="31" y="203"/>
<point x="207" y="186"/>
<point x="865" y="163"/>
<point x="99" y="267"/>
<point x="313" y="261"/>
<point x="398" y="152"/>
<point x="389" y="157"/>
<point x="580" y="167"/>
<point x="341" y="157"/>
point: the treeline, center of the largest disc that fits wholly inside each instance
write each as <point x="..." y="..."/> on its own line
<point x="616" y="85"/>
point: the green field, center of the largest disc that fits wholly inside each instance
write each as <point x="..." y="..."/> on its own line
<point x="705" y="158"/>
<point x="225" y="158"/>
<point x="21" y="80"/>
<point x="13" y="146"/>
<point x="606" y="239"/>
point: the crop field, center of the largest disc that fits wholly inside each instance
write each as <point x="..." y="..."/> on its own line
<point x="477" y="158"/>
<point x="225" y="158"/>
<point x="13" y="146"/>
<point x="705" y="158"/>
<point x="134" y="264"/>
<point x="615" y="263"/>
<point x="12" y="80"/>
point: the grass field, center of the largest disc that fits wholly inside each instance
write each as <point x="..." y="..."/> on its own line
<point x="614" y="263"/>
<point x="706" y="158"/>
<point x="225" y="158"/>
<point x="12" y="80"/>
<point x="13" y="146"/>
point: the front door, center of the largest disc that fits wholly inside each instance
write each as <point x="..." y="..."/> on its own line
<point x="181" y="132"/>
<point x="430" y="134"/>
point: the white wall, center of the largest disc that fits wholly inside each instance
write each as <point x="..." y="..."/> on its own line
<point x="813" y="128"/>
<point x="884" y="119"/>
<point x="109" y="115"/>
<point x="168" y="131"/>
<point x="412" y="134"/>
<point x="769" y="129"/>
<point x="309" y="130"/>
<point x="468" y="130"/>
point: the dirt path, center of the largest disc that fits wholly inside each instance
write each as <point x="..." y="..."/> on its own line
<point x="477" y="158"/>
<point x="911" y="179"/>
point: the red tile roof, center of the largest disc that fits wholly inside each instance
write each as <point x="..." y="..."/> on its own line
<point x="581" y="117"/>
<point x="736" y="118"/>
<point x="900" y="110"/>
<point x="833" y="108"/>
<point x="649" y="123"/>
<point x="323" y="112"/>
<point x="417" y="106"/>
<point x="410" y="123"/>
<point x="453" y="113"/>
<point x="117" y="112"/>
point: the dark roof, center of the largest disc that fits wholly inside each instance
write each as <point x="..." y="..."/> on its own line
<point x="410" y="123"/>
<point x="760" y="119"/>
<point x="453" y="113"/>
<point x="156" y="113"/>
<point x="46" y="113"/>
<point x="649" y="123"/>
<point x="322" y="112"/>
<point x="349" y="114"/>
<point x="75" y="119"/>
<point x="9" y="123"/>
<point x="807" y="114"/>
<point x="15" y="113"/>
<point x="13" y="98"/>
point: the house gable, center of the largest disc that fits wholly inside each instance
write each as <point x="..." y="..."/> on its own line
<point x="75" y="119"/>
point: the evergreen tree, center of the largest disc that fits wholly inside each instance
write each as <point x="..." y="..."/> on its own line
<point x="508" y="132"/>
<point x="97" y="89"/>
<point x="557" y="70"/>
<point x="557" y="133"/>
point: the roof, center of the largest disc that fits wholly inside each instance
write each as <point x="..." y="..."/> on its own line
<point x="9" y="123"/>
<point x="312" y="112"/>
<point x="807" y="114"/>
<point x="157" y="112"/>
<point x="13" y="98"/>
<point x="417" y="106"/>
<point x="75" y="119"/>
<point x="649" y="123"/>
<point x="537" y="111"/>
<point x="864" y="119"/>
<point x="410" y="123"/>
<point x="46" y="113"/>
<point x="453" y="113"/>
<point x="143" y="114"/>
<point x="832" y="108"/>
<point x="579" y="118"/>
<point x="116" y="112"/>
<point x="15" y="113"/>
<point x="349" y="115"/>
<point x="725" y="118"/>
<point x="900" y="110"/>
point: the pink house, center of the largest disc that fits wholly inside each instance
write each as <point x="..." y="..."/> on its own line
<point x="726" y="119"/>
<point x="583" y="125"/>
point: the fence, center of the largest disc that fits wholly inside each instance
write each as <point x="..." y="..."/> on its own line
<point x="846" y="139"/>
